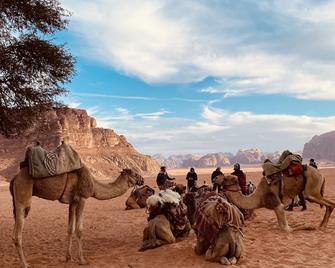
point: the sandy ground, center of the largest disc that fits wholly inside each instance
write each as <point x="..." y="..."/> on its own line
<point x="112" y="235"/>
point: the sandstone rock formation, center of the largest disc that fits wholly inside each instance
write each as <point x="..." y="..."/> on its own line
<point x="243" y="156"/>
<point x="102" y="150"/>
<point x="249" y="156"/>
<point x="321" y="147"/>
<point x="213" y="160"/>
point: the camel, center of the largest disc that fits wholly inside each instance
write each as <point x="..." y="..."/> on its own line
<point x="191" y="200"/>
<point x="269" y="195"/>
<point x="167" y="221"/>
<point x="71" y="188"/>
<point x="138" y="197"/>
<point x="157" y="233"/>
<point x="218" y="227"/>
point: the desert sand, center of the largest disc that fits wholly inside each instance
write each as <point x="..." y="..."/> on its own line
<point x="112" y="235"/>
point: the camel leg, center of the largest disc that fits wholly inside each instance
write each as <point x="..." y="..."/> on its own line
<point x="239" y="249"/>
<point x="22" y="193"/>
<point x="329" y="208"/>
<point x="281" y="217"/>
<point x="71" y="229"/>
<point x="17" y="234"/>
<point x="166" y="235"/>
<point x="201" y="246"/>
<point x="212" y="254"/>
<point x="79" y="230"/>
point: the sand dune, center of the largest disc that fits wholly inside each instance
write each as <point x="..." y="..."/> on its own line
<point x="112" y="236"/>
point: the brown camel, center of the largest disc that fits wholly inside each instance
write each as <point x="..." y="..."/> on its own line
<point x="270" y="195"/>
<point x="157" y="233"/>
<point x="71" y="188"/>
<point x="138" y="197"/>
<point x="218" y="227"/>
<point x="167" y="220"/>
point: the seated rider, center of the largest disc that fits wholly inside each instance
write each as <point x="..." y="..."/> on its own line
<point x="242" y="179"/>
<point x="162" y="177"/>
<point x="216" y="173"/>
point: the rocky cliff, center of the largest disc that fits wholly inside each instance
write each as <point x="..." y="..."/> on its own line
<point x="102" y="150"/>
<point x="243" y="156"/>
<point x="321" y="147"/>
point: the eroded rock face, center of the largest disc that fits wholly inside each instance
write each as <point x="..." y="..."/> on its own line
<point x="321" y="147"/>
<point x="243" y="156"/>
<point x="249" y="156"/>
<point x="102" y="150"/>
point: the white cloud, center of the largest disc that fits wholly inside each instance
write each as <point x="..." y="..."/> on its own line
<point x="152" y="116"/>
<point x="216" y="130"/>
<point x="73" y="104"/>
<point x="262" y="47"/>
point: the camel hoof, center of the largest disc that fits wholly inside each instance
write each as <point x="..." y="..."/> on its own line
<point x="83" y="262"/>
<point x="225" y="261"/>
<point x="68" y="258"/>
<point x="322" y="228"/>
<point x="233" y="260"/>
<point x="287" y="229"/>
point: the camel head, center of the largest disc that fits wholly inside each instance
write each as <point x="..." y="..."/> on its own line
<point x="229" y="182"/>
<point x="146" y="191"/>
<point x="180" y="189"/>
<point x="133" y="177"/>
<point x="220" y="212"/>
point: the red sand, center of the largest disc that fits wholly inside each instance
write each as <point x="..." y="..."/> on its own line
<point x="112" y="236"/>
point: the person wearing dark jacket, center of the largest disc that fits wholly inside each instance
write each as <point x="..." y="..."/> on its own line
<point x="162" y="177"/>
<point x="312" y="163"/>
<point x="215" y="173"/>
<point x="191" y="178"/>
<point x="242" y="178"/>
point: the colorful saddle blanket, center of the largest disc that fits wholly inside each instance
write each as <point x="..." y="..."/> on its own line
<point x="208" y="221"/>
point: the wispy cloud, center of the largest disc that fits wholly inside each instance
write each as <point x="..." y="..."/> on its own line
<point x="73" y="104"/>
<point x="216" y="130"/>
<point x="140" y="98"/>
<point x="262" y="47"/>
<point x="96" y="95"/>
<point x="152" y="116"/>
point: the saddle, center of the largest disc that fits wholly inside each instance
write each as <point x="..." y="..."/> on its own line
<point x="206" y="226"/>
<point x="43" y="163"/>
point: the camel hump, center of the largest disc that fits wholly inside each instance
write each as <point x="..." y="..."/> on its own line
<point x="43" y="163"/>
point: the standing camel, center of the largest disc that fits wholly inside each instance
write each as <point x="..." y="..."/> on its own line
<point x="71" y="188"/>
<point x="270" y="195"/>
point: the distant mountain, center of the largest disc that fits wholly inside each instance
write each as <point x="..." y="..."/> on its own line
<point x="321" y="147"/>
<point x="243" y="156"/>
<point x="176" y="161"/>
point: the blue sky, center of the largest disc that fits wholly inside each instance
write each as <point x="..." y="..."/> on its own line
<point x="205" y="76"/>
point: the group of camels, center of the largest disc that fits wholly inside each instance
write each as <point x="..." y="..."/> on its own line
<point x="75" y="187"/>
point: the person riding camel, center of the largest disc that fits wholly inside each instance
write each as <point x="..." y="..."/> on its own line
<point x="242" y="179"/>
<point x="162" y="177"/>
<point x="191" y="178"/>
<point x="215" y="173"/>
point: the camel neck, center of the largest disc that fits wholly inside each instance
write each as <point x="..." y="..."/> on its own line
<point x="252" y="201"/>
<point x="105" y="191"/>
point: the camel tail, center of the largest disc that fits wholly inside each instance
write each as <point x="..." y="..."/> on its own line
<point x="322" y="190"/>
<point x="11" y="189"/>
